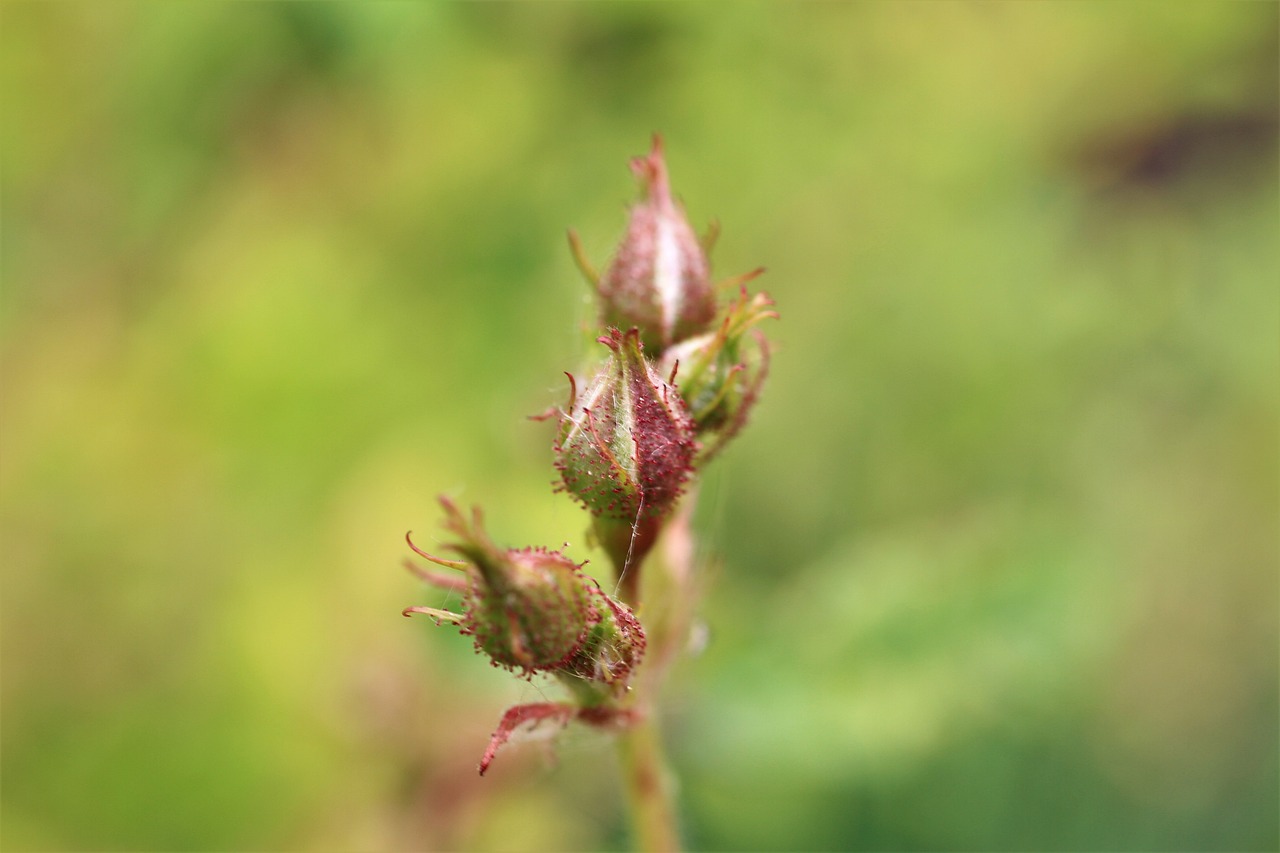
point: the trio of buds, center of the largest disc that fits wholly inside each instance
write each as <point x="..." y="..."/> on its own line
<point x="678" y="379"/>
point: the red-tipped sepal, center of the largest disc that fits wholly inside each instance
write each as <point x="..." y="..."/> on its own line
<point x="554" y="713"/>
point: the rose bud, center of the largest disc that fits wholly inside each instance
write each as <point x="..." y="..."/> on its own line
<point x="659" y="280"/>
<point x="625" y="448"/>
<point x="530" y="609"/>
<point x="610" y="651"/>
<point x="721" y="373"/>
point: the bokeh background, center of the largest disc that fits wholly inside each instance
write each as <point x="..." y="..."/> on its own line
<point x="994" y="568"/>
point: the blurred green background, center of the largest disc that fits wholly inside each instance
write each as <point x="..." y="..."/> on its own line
<point x="994" y="568"/>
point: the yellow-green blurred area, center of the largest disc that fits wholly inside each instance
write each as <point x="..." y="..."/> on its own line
<point x="993" y="568"/>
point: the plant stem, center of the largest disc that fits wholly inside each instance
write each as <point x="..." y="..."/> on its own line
<point x="650" y="786"/>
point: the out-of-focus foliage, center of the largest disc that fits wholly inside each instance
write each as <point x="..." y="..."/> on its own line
<point x="993" y="568"/>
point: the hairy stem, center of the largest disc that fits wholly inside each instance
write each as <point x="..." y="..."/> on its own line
<point x="650" y="787"/>
<point x="627" y="546"/>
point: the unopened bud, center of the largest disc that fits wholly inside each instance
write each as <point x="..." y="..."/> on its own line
<point x="659" y="280"/>
<point x="612" y="648"/>
<point x="626" y="443"/>
<point x="528" y="609"/>
<point x="721" y="372"/>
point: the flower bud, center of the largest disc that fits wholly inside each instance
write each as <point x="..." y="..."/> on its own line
<point x="533" y="610"/>
<point x="659" y="280"/>
<point x="721" y="373"/>
<point x="612" y="648"/>
<point x="529" y="609"/>
<point x="626" y="443"/>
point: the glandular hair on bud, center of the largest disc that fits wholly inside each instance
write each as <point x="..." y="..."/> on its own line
<point x="659" y="280"/>
<point x="626" y="444"/>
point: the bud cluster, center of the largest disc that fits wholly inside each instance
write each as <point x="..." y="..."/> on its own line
<point x="630" y="439"/>
<point x="678" y="379"/>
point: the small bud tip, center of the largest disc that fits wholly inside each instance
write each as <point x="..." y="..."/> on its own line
<point x="651" y="169"/>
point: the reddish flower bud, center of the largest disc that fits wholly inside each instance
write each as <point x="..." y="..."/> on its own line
<point x="659" y="280"/>
<point x="626" y="443"/>
<point x="534" y="610"/>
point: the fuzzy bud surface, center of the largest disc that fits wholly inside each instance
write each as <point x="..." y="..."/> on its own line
<point x="626" y="444"/>
<point x="534" y="610"/>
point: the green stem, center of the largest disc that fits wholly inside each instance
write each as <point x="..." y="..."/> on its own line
<point x="627" y="546"/>
<point x="650" y="787"/>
